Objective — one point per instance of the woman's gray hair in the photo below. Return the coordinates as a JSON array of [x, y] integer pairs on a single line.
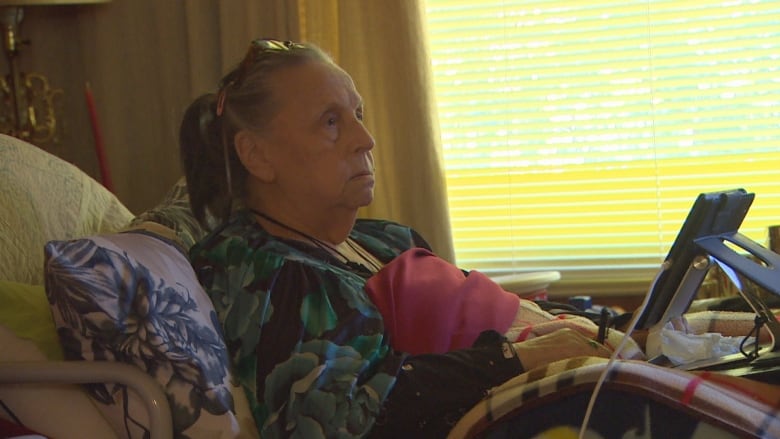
[[215, 176]]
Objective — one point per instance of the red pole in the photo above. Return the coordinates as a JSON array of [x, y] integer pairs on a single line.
[[105, 173]]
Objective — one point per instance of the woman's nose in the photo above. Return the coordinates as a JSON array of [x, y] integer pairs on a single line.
[[362, 140]]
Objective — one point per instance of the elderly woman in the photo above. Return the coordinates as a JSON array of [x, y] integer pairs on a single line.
[[280, 157]]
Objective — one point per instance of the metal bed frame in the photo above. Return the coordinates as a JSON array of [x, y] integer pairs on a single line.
[[83, 372]]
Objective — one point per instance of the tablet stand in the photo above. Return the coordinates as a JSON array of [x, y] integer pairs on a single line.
[[764, 273]]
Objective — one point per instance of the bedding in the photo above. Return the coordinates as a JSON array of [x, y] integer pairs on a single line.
[[70, 413], [25, 312], [638, 400], [133, 297], [174, 213], [47, 200], [43, 197]]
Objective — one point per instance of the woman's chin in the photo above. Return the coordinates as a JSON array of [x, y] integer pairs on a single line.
[[365, 198], [359, 196]]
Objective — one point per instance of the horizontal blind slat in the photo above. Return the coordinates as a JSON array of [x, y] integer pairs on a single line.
[[576, 135]]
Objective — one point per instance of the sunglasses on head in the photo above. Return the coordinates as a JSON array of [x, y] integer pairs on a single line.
[[256, 49], [265, 44]]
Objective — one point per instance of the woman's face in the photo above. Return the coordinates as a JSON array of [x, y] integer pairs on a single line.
[[319, 148]]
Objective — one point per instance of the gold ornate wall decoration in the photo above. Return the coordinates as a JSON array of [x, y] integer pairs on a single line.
[[31, 111], [29, 106]]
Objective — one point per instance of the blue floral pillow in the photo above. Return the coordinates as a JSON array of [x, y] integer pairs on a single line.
[[133, 297]]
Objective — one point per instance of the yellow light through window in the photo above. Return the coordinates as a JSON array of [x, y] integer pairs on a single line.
[[577, 134]]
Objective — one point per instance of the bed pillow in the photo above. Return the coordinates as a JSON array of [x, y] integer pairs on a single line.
[[25, 311], [133, 297], [42, 198]]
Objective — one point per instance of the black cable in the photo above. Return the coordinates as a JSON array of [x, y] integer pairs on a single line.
[[604, 325], [10, 413], [758, 323], [322, 244]]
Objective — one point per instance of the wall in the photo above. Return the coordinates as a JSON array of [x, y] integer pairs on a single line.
[[147, 60], [51, 52], [136, 55]]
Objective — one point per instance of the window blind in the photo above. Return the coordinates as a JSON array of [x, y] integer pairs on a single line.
[[576, 135]]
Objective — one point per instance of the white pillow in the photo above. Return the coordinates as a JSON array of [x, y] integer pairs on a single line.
[[134, 297], [42, 198]]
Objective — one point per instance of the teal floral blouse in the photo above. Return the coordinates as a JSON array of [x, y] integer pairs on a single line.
[[307, 344]]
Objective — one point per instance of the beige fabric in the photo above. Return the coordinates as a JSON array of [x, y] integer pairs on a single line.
[[382, 45], [727, 323], [532, 321], [43, 198], [173, 215]]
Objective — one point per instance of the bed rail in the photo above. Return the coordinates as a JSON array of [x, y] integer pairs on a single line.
[[83, 372]]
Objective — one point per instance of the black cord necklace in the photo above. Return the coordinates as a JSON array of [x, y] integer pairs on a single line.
[[365, 255], [322, 244]]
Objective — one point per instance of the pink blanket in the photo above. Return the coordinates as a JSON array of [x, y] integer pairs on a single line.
[[431, 306]]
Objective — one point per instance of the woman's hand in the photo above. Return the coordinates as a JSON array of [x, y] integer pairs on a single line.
[[558, 345]]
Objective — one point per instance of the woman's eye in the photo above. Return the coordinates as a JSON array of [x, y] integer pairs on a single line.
[[359, 114], [331, 121]]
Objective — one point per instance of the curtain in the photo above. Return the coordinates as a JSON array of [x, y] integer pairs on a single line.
[[382, 46], [146, 60]]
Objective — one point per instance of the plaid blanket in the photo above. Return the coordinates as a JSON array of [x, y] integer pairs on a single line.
[[638, 399], [532, 321]]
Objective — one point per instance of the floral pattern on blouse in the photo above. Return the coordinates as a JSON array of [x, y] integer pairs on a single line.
[[308, 345]]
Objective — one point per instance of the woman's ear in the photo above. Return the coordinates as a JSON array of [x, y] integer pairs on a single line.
[[251, 150]]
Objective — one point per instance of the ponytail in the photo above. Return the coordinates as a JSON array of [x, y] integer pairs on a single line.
[[203, 157]]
